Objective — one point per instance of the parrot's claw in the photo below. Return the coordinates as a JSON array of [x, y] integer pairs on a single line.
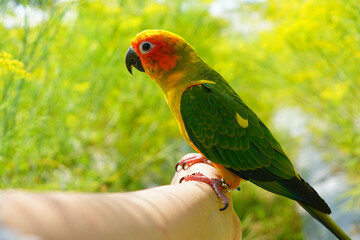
[[190, 159], [216, 184]]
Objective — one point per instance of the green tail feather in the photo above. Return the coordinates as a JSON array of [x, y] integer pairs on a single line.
[[300, 191], [325, 220]]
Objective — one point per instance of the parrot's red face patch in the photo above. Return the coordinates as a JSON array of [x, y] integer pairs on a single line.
[[157, 51]]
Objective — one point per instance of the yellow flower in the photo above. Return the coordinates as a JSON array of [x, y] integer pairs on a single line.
[[155, 9], [11, 68], [335, 92], [81, 87]]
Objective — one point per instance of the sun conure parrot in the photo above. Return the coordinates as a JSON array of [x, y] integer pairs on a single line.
[[216, 122]]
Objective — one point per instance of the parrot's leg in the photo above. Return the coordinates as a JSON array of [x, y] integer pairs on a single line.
[[216, 184], [190, 159]]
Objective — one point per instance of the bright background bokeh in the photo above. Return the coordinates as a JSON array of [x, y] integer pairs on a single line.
[[72, 118]]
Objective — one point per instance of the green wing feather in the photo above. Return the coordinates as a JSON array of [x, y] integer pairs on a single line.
[[209, 115]]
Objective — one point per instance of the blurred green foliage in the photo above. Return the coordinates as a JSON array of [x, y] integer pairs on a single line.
[[72, 118]]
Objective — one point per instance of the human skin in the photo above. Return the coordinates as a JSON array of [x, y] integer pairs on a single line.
[[189, 210]]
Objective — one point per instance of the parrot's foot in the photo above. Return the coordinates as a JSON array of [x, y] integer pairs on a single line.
[[216, 184], [190, 159]]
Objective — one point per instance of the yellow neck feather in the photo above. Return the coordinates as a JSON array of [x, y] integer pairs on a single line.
[[173, 96]]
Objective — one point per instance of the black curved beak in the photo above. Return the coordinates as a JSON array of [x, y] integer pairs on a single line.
[[132, 59]]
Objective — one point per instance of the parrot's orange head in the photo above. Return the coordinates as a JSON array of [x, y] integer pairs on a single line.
[[158, 53]]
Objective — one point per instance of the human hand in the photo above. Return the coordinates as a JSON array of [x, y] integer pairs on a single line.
[[223, 224], [189, 210]]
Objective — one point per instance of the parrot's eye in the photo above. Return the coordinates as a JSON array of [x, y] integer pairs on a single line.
[[146, 47]]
